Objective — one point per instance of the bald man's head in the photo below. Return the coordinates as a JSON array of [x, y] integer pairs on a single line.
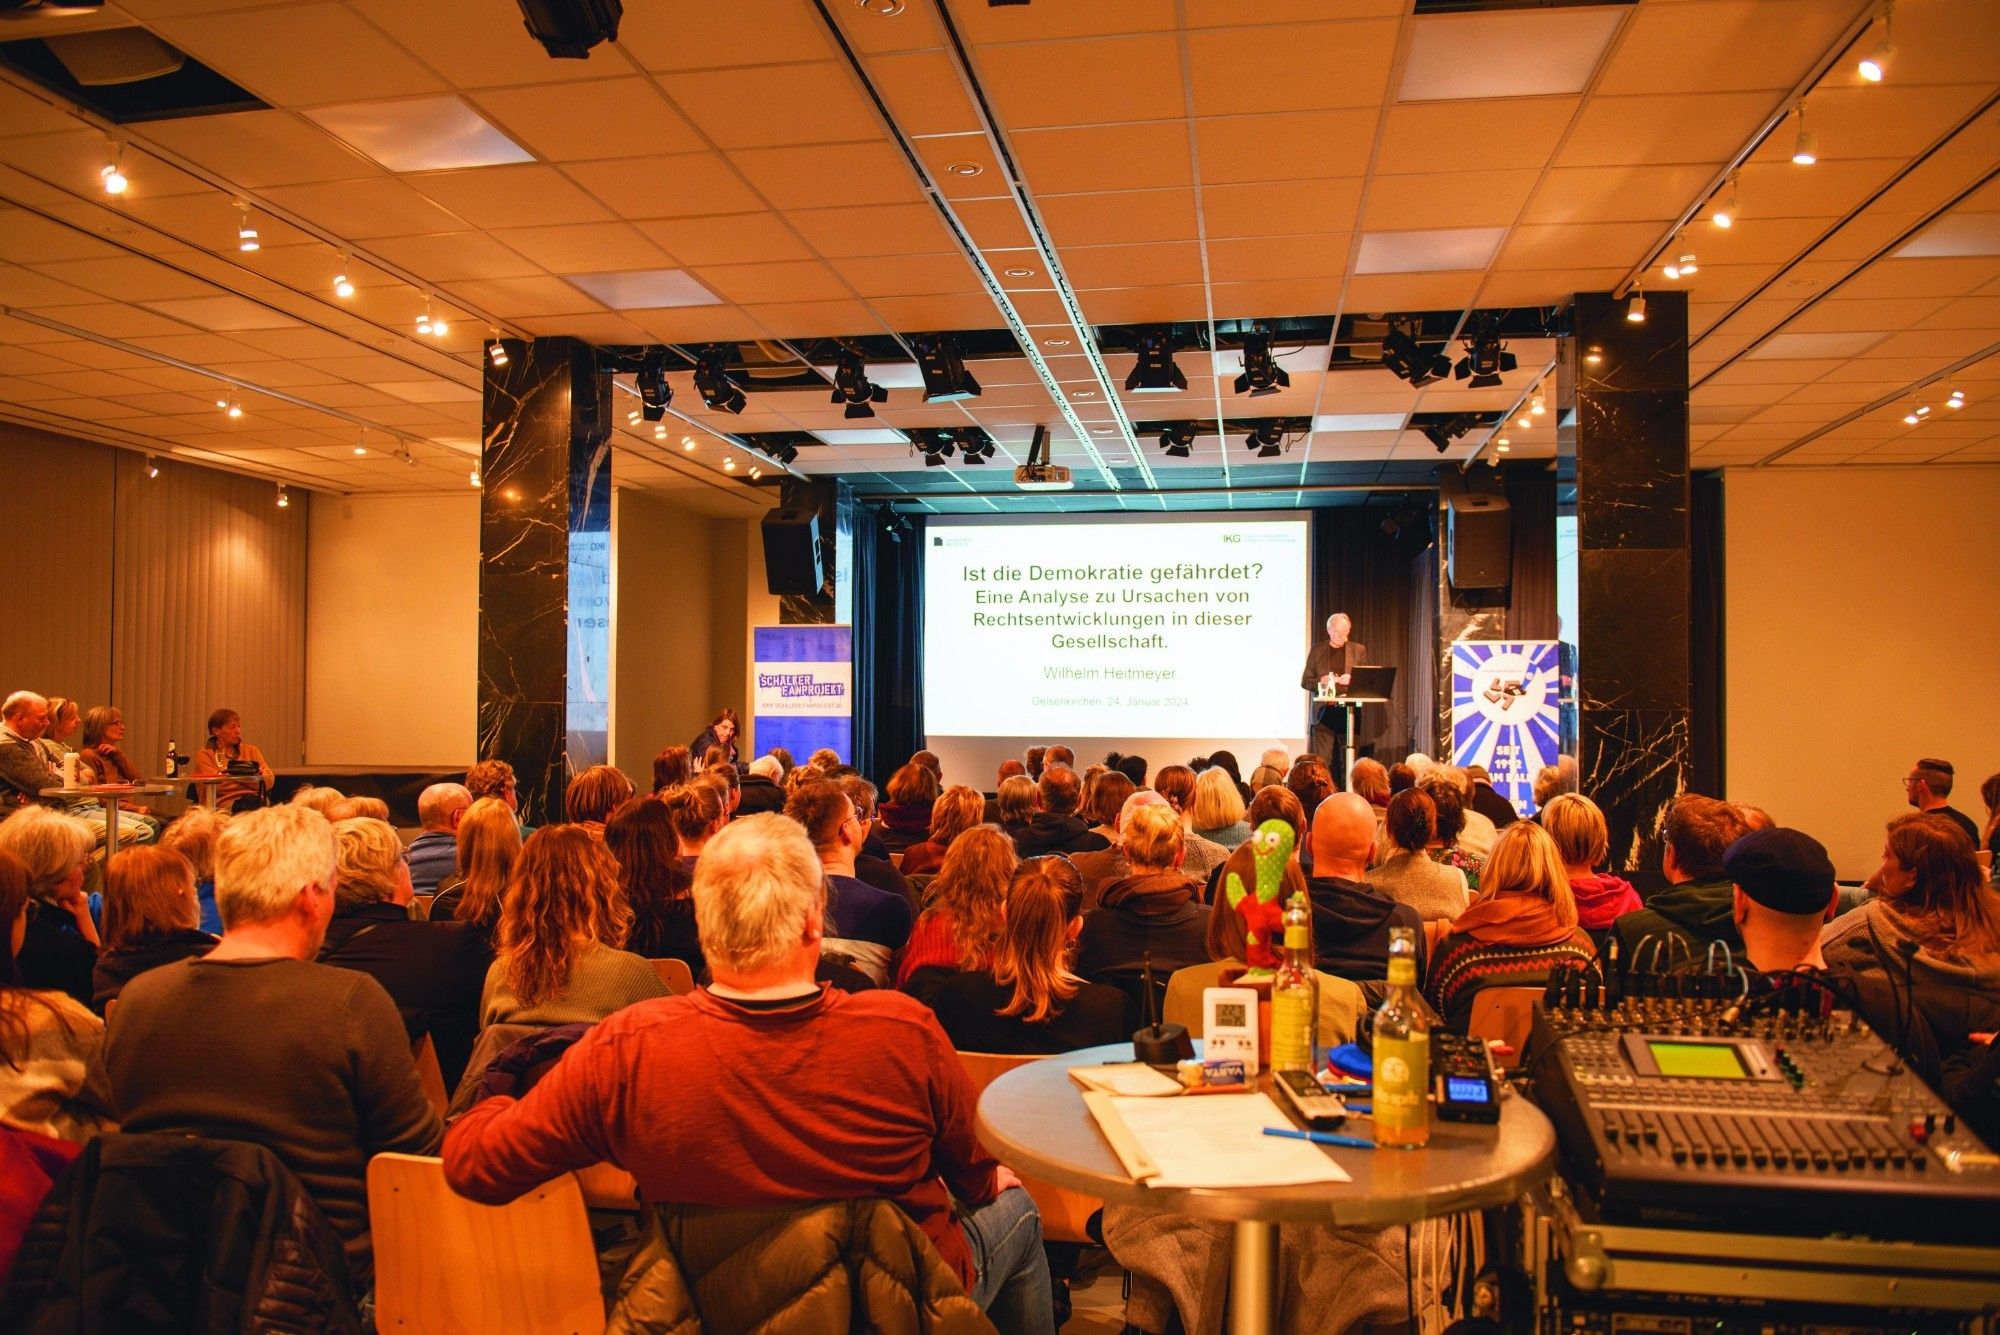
[[1343, 837]]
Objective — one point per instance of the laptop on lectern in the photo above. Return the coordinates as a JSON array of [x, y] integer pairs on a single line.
[[1370, 681]]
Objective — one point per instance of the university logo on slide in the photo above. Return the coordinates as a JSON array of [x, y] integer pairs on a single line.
[[1506, 711]]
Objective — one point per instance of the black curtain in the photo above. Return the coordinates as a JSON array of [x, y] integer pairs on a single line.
[[1706, 772], [888, 643], [1531, 596], [1370, 574]]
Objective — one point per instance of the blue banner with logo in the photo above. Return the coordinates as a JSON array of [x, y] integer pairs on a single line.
[[802, 689], [1506, 711]]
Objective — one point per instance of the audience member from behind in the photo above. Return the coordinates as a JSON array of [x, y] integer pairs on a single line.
[[961, 916], [761, 793], [891, 1111], [561, 956], [358, 808], [48, 1040], [60, 948], [1699, 904], [1444, 847], [1932, 929], [193, 835], [1522, 926], [1033, 760], [255, 1042], [1179, 785], [1149, 911], [728, 786], [314, 797], [1488, 801], [1402, 778], [1583, 841], [1310, 782], [489, 840], [1928, 787], [1218, 809], [495, 779], [434, 853], [721, 731], [1785, 893], [1016, 803], [864, 926], [250, 775], [1055, 827], [151, 917], [1131, 766], [694, 811], [672, 767], [593, 795], [1027, 1000], [641, 836], [872, 863], [1351, 921], [1408, 875], [1106, 801], [1370, 782], [905, 819], [1989, 793], [957, 810]]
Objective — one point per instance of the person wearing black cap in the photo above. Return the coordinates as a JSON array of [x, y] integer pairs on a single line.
[[1928, 785], [1785, 893]]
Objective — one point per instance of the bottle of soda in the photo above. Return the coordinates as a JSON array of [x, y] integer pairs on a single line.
[[1295, 996], [1402, 1052]]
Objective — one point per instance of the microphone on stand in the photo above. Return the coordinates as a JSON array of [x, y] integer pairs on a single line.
[[1159, 1044]]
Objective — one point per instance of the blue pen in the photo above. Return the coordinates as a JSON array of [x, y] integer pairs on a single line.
[[1320, 1137]]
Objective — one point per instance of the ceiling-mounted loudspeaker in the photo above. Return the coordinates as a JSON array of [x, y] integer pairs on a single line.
[[792, 553], [567, 29]]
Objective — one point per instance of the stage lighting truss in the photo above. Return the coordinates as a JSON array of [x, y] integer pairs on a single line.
[[1486, 359], [1418, 363], [1261, 373], [654, 391], [945, 378], [1177, 441], [937, 444], [1155, 372], [936, 447], [1267, 439], [718, 389], [851, 385], [1442, 434]]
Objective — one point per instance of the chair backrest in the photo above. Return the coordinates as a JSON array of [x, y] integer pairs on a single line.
[[443, 1262], [1504, 1013], [420, 907], [429, 1074], [1064, 1212], [674, 975]]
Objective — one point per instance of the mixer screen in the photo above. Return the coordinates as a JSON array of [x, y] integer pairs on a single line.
[[1700, 1061]]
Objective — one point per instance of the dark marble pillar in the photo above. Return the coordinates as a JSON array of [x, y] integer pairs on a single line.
[[545, 568], [1623, 441]]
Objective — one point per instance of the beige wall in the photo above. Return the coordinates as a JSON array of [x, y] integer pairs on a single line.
[[1860, 635], [664, 604], [392, 631]]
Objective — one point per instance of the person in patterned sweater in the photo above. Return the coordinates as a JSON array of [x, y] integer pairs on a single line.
[[1522, 925]]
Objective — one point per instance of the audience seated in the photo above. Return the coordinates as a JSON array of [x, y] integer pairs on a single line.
[[1106, 800], [957, 810], [785, 762], [1310, 782], [1106, 865], [60, 949], [1351, 921], [433, 971], [1522, 925], [135, 825], [1989, 839], [24, 766], [866, 926], [1032, 761], [1131, 766], [1448, 824], [905, 819], [872, 864], [714, 1134], [151, 917], [1785, 894], [641, 835], [1265, 776], [250, 775], [316, 798], [255, 1042], [721, 731], [1178, 783], [1009, 769], [929, 760], [1487, 801], [962, 908], [1148, 913], [1583, 840], [1025, 999], [1218, 810], [489, 840], [1402, 778], [48, 1039], [434, 853], [759, 791], [358, 808], [728, 786], [1016, 803], [495, 779], [1928, 788], [563, 920], [193, 835], [1058, 757], [1408, 875], [672, 767], [1055, 826], [1369, 780], [1698, 906], [1476, 833], [101, 759], [593, 795], [824, 759]]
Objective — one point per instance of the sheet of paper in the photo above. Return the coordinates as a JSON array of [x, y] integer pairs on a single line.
[[1135, 1079], [1220, 1142]]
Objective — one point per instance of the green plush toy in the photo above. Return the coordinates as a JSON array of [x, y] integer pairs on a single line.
[[1262, 913]]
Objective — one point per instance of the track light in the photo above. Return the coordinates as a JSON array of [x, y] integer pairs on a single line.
[[1876, 63], [713, 381], [1537, 405], [655, 394], [1177, 441], [496, 351], [729, 465], [1635, 306], [1957, 399], [1724, 213], [152, 466], [945, 377], [230, 408], [755, 472], [1262, 375], [1593, 355], [1155, 372], [1486, 360], [1267, 439], [284, 497], [246, 234], [424, 325], [1524, 421], [851, 385], [1805, 148], [113, 172], [1442, 433], [1418, 363], [361, 443], [343, 286], [1684, 267], [473, 477]]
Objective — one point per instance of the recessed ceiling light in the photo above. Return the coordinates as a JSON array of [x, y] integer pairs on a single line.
[[1434, 251], [964, 168], [1102, 430], [1018, 272], [645, 289], [420, 134], [1083, 393], [1055, 342], [879, 435], [887, 9], [1358, 422]]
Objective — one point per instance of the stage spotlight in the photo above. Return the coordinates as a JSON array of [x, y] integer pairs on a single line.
[[1266, 438], [1420, 364], [974, 446], [713, 382], [783, 451], [567, 29], [936, 447], [1724, 213], [945, 376], [1261, 373], [284, 497], [1442, 434], [1178, 440], [851, 385], [1156, 372], [654, 391], [152, 466], [1486, 359], [1635, 309], [1876, 63]]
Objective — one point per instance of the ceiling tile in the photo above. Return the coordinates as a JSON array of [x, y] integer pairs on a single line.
[[1285, 146], [1446, 199], [565, 122], [285, 54], [816, 319], [420, 134], [453, 256], [685, 37], [909, 275], [646, 289], [1266, 259], [1127, 217], [1160, 263], [681, 186], [892, 229], [1280, 208], [1293, 67], [479, 43], [736, 238], [791, 280], [262, 148], [924, 92], [1092, 81], [529, 196], [1412, 291], [1725, 46], [1151, 155], [922, 314], [1620, 244], [1526, 53], [1292, 296], [1423, 251], [1617, 194], [773, 105], [1683, 127], [1468, 136], [1956, 234], [365, 209], [580, 248], [828, 175]]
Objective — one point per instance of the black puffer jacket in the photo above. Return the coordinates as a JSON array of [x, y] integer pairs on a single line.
[[166, 1233]]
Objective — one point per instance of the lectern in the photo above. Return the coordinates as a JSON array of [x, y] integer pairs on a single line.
[[1326, 698]]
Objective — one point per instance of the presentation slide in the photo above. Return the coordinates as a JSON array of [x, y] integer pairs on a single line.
[[1116, 627]]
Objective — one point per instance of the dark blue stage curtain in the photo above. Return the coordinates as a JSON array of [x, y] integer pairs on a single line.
[[1374, 578], [888, 646], [1706, 771]]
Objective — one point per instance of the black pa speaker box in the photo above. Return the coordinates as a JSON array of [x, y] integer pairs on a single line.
[[1480, 540], [792, 552]]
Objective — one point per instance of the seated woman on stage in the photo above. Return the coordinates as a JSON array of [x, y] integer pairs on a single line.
[[1521, 926], [962, 909], [721, 732], [227, 753], [1027, 1000], [489, 843], [905, 819], [958, 810]]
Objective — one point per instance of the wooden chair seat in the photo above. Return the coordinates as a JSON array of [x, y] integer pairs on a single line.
[[1504, 1013], [1064, 1212], [675, 975]]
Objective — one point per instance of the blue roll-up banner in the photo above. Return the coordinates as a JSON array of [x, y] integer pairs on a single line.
[[1506, 711], [803, 697]]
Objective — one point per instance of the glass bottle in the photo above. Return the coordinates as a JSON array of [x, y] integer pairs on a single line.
[[1402, 1109], [1295, 996]]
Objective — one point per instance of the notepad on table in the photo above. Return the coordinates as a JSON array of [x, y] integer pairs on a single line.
[[1131, 1079], [1209, 1142]]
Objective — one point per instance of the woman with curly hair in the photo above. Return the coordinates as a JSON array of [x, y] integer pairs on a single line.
[[958, 810], [962, 917], [563, 924]]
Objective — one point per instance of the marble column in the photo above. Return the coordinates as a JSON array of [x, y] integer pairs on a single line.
[[545, 568], [1623, 441]]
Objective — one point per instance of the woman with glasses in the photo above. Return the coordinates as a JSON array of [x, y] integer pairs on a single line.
[[227, 753]]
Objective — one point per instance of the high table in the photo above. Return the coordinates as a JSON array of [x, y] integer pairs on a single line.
[[207, 783], [1034, 1120], [109, 794], [1349, 704]]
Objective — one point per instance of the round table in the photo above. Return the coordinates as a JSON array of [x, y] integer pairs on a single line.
[[109, 795], [1034, 1119]]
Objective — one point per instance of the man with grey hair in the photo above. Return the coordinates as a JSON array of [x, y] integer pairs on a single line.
[[255, 1042], [1331, 664], [434, 853], [758, 790], [821, 1095], [24, 769]]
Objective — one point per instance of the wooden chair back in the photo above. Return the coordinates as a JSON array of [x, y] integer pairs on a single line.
[[675, 975], [1504, 1013], [443, 1262], [420, 907], [1064, 1212], [430, 1075]]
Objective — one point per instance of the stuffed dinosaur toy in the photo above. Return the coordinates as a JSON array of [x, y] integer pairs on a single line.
[[1262, 912]]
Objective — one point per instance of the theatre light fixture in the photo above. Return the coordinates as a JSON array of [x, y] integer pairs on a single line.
[[246, 233], [1957, 399], [230, 408], [1262, 375], [1418, 363], [496, 351], [1267, 439], [718, 389], [284, 496], [152, 466], [935, 446], [1486, 359], [113, 172], [343, 286], [852, 386], [1635, 306], [1177, 441], [1593, 355], [1876, 63], [945, 378], [1538, 405], [1724, 213], [1155, 372], [974, 445], [654, 391], [1805, 148], [473, 477], [1685, 266], [1442, 434], [1918, 412]]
